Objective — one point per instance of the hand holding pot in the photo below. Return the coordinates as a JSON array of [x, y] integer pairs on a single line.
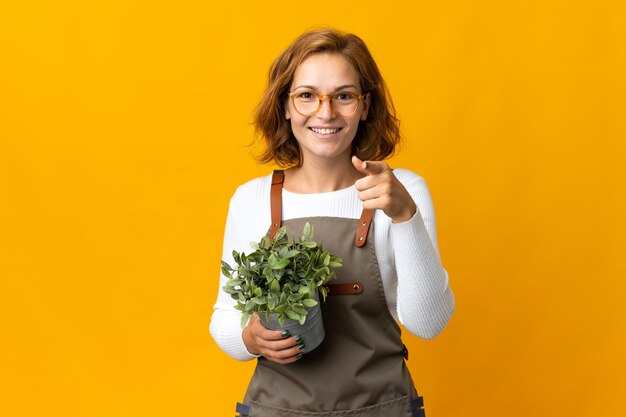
[[271, 343]]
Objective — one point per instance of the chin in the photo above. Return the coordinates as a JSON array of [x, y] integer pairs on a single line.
[[330, 154]]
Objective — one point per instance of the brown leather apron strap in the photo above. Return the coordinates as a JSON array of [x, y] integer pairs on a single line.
[[345, 288], [364, 226], [276, 201]]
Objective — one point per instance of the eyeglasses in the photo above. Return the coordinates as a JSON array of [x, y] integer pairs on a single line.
[[308, 103]]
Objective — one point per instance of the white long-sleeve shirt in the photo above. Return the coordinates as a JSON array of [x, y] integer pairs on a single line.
[[415, 282]]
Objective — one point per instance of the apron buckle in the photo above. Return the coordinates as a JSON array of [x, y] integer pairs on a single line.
[[417, 407], [243, 410]]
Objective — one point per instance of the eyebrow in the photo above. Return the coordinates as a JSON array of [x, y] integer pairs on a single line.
[[341, 87]]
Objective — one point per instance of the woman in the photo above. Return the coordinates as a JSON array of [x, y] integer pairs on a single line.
[[328, 118]]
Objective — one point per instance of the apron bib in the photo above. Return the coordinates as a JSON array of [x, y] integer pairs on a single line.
[[359, 368]]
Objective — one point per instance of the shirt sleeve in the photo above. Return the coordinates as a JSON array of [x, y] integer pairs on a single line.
[[225, 324], [425, 301]]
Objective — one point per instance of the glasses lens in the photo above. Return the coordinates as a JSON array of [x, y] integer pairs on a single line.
[[345, 104], [306, 102]]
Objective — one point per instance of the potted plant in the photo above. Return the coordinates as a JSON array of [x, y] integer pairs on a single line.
[[281, 281]]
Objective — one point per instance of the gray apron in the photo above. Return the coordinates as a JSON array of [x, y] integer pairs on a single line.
[[359, 368]]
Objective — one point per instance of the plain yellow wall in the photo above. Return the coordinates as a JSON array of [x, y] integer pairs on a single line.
[[123, 132]]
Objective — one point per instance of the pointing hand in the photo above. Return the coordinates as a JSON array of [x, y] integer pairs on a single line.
[[382, 190]]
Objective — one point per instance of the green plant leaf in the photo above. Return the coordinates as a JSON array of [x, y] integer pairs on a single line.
[[229, 290], [295, 297], [320, 272], [281, 232], [244, 319], [299, 310], [309, 302], [281, 264], [272, 260], [292, 314], [260, 300], [308, 268], [323, 291], [306, 233], [291, 253], [275, 286], [234, 282]]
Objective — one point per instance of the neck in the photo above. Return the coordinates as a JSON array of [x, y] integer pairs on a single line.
[[321, 176]]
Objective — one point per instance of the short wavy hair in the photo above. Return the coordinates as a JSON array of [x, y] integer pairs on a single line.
[[376, 137]]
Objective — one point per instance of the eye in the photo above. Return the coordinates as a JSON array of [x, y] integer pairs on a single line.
[[307, 95], [345, 96]]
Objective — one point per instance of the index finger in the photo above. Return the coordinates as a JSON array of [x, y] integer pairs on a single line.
[[375, 167]]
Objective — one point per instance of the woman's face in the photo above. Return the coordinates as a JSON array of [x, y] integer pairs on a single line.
[[326, 73]]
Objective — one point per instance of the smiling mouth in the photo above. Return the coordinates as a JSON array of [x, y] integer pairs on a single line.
[[325, 131]]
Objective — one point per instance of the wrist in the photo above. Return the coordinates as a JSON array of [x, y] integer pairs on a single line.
[[247, 340], [407, 214]]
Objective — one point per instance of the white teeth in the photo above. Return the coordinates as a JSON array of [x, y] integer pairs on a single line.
[[325, 131]]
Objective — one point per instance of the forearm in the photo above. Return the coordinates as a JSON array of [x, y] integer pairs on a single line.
[[425, 301], [226, 331], [225, 325]]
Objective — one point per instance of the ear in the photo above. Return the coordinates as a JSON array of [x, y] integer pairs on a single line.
[[287, 113], [366, 106]]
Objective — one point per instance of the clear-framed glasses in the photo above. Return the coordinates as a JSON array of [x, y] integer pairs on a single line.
[[308, 103]]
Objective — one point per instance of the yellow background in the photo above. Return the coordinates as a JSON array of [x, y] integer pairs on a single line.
[[123, 132]]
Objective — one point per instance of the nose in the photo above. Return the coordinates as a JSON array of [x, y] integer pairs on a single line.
[[326, 111]]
